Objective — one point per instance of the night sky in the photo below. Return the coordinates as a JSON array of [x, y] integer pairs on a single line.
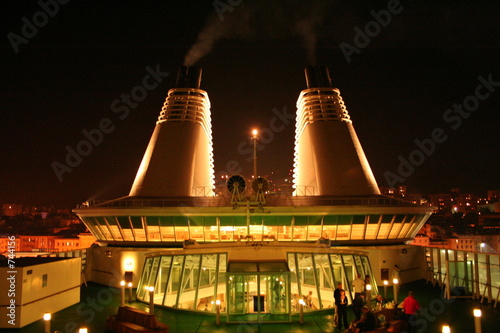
[[397, 83]]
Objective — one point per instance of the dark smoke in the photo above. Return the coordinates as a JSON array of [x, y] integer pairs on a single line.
[[307, 29], [260, 19]]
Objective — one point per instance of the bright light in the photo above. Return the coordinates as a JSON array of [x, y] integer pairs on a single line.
[[255, 132], [217, 302], [47, 316], [122, 283], [477, 313], [386, 282], [395, 281], [301, 302], [128, 263], [83, 330], [130, 284], [483, 244], [368, 287], [151, 289], [446, 329]]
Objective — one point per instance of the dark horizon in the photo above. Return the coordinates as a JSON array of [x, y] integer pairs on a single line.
[[398, 86]]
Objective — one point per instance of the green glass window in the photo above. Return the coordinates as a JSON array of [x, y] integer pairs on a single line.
[[344, 219], [136, 222], [387, 218], [330, 220], [233, 221], [358, 219], [256, 220], [180, 221], [124, 222], [315, 220], [152, 220], [301, 220]]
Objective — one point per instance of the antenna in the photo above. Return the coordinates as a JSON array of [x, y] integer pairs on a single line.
[[260, 186], [236, 185]]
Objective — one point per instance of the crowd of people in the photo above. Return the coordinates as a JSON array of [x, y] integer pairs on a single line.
[[365, 320]]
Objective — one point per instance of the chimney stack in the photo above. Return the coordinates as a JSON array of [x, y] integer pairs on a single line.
[[178, 161], [188, 77], [329, 159]]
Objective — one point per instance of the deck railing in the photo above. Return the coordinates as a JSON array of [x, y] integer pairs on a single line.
[[465, 273]]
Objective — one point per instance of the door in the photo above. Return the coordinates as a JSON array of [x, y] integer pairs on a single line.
[[258, 298]]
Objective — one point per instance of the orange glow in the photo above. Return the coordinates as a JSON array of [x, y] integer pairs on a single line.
[[255, 132]]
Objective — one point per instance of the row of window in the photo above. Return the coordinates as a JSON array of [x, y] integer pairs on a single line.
[[194, 282], [281, 228]]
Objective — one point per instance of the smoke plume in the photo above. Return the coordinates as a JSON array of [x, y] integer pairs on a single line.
[[263, 19]]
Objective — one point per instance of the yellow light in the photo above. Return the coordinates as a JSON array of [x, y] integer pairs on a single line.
[[151, 289], [130, 284], [83, 330], [395, 281], [122, 283], [368, 287], [301, 302], [477, 313], [255, 132], [386, 282], [217, 302], [446, 329], [47, 316]]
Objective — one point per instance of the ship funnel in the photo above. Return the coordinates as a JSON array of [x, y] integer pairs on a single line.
[[318, 76], [329, 159], [188, 77], [178, 161]]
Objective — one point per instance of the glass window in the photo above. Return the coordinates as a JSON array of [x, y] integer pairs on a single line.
[[255, 220], [368, 271], [113, 227], [357, 231], [300, 220], [313, 232], [220, 287], [163, 278], [256, 232], [141, 288], [124, 223], [385, 227], [406, 226], [284, 232], [189, 282], [315, 220], [299, 232], [233, 220], [153, 227], [211, 233], [196, 233], [227, 233], [104, 227], [206, 285], [349, 274], [89, 222], [325, 280], [241, 233], [329, 231], [174, 281], [358, 219]]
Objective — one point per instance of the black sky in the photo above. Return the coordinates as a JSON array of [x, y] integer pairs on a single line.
[[397, 89]]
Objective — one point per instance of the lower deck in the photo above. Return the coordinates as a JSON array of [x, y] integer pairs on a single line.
[[95, 306]]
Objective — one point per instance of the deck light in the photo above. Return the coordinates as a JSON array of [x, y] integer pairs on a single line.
[[46, 317]]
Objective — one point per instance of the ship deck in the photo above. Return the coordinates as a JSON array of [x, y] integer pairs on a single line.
[[95, 307]]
